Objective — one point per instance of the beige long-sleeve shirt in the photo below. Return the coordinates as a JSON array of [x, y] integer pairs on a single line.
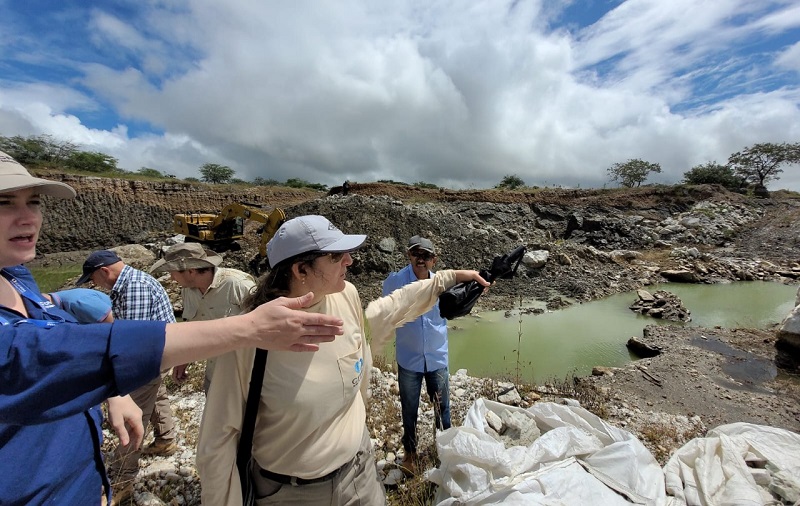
[[311, 415], [224, 298]]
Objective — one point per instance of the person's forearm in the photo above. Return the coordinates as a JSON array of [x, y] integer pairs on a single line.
[[276, 325], [191, 341], [409, 302]]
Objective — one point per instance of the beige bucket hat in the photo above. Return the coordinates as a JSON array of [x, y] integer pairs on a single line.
[[13, 176], [184, 256]]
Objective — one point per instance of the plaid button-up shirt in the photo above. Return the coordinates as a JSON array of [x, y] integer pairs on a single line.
[[139, 296]]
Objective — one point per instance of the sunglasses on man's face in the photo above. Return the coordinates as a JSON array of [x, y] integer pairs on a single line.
[[422, 255]]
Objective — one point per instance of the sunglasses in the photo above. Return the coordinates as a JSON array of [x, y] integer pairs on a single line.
[[337, 257], [423, 255]]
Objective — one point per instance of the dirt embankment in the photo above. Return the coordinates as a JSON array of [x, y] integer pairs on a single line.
[[596, 242]]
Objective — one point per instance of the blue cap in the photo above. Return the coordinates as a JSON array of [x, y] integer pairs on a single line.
[[96, 260], [87, 306]]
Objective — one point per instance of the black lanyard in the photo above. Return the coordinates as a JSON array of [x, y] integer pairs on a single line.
[[36, 298]]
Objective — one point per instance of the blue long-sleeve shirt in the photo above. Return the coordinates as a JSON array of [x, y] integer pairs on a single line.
[[52, 380], [421, 343]]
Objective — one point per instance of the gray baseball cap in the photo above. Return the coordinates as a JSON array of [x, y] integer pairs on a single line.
[[309, 233], [421, 243]]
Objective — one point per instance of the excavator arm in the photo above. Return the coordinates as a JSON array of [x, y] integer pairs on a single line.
[[227, 224]]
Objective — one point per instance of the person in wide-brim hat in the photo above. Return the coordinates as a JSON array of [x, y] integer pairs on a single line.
[[185, 256]]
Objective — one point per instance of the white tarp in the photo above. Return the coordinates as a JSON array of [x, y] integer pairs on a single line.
[[739, 463], [579, 459]]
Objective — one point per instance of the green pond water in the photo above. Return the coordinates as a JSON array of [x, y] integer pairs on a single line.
[[573, 340]]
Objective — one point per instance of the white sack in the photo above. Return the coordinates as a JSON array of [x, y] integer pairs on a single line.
[[713, 470], [579, 459]]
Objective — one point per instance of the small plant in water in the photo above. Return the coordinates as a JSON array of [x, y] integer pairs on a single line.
[[519, 340]]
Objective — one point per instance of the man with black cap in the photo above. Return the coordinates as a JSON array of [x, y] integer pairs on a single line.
[[208, 290], [421, 351], [135, 295]]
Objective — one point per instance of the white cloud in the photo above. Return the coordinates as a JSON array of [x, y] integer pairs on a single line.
[[790, 58], [455, 93]]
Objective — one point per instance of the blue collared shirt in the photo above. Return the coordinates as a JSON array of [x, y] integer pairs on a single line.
[[52, 380], [422, 343]]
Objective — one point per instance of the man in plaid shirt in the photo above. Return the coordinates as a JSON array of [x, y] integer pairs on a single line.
[[135, 295]]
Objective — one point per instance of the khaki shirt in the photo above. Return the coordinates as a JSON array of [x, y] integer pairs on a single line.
[[312, 412], [223, 298]]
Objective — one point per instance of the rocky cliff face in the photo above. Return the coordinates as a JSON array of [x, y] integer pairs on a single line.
[[109, 212], [597, 242]]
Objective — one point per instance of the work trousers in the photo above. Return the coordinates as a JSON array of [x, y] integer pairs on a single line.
[[152, 399], [356, 484]]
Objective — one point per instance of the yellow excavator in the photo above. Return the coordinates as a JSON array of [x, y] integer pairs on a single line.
[[227, 226]]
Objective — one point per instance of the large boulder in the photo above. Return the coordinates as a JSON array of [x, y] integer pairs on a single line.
[[789, 336]]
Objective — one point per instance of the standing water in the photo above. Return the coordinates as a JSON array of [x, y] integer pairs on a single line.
[[573, 340]]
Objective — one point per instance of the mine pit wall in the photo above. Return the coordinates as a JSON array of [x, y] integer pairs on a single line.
[[108, 212]]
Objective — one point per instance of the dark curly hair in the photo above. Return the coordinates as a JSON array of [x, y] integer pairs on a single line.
[[275, 283]]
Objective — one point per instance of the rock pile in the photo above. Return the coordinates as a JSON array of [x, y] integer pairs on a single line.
[[661, 304], [512, 428]]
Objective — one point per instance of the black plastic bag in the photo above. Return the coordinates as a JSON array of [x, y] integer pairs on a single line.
[[459, 299]]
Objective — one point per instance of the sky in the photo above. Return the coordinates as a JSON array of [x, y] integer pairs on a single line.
[[456, 93]]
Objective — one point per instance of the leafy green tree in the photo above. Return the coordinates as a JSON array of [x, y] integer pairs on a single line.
[[93, 161], [216, 173], [510, 182], [191, 179], [761, 163], [713, 173], [423, 184], [302, 183], [260, 181], [147, 171], [37, 149], [632, 173]]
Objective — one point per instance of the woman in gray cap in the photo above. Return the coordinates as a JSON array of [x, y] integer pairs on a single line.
[[56, 372], [310, 443]]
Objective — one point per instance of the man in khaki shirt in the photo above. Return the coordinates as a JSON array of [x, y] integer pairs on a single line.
[[209, 291]]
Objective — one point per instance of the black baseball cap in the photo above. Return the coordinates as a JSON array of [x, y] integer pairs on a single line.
[[95, 261]]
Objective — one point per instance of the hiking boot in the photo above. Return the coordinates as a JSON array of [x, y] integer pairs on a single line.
[[161, 447], [121, 495], [409, 464]]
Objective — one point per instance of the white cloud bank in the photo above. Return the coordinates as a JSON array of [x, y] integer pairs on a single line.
[[457, 93]]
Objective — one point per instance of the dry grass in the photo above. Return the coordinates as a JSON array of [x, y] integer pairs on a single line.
[[196, 372], [574, 387], [661, 438]]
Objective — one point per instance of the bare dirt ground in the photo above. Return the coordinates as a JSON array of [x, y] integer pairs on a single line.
[[719, 375]]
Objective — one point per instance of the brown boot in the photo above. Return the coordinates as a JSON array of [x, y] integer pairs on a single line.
[[119, 495], [161, 447], [409, 464]]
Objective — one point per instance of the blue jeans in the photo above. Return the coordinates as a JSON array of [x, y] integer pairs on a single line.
[[437, 383]]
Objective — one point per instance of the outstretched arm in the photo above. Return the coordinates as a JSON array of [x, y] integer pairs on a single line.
[[276, 325], [409, 302]]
